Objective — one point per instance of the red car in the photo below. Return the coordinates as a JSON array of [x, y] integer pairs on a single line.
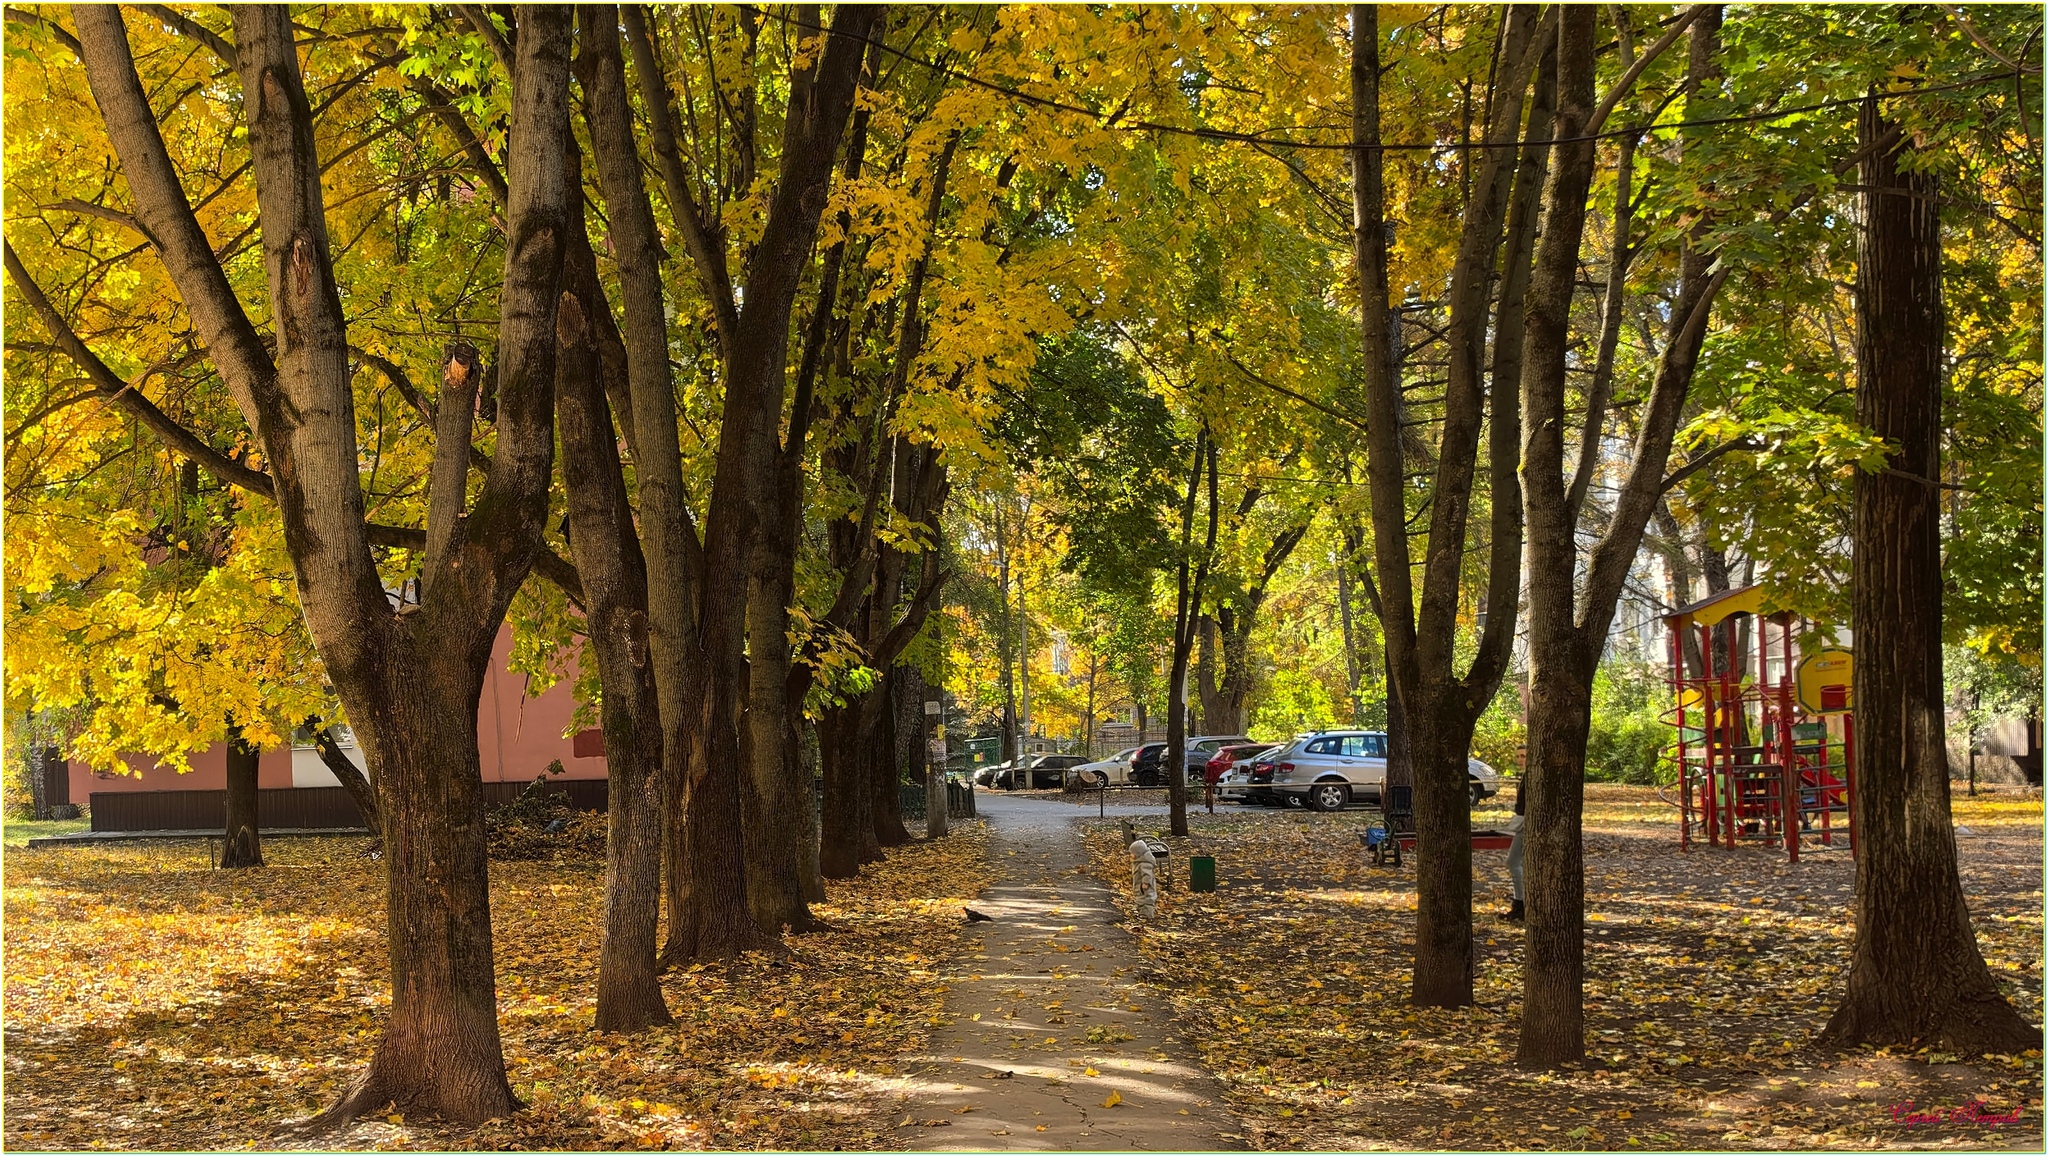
[[1221, 761]]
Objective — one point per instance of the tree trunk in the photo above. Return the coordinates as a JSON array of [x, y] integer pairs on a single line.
[[1208, 687], [885, 772], [1439, 732], [847, 838], [440, 1053], [1437, 708], [1005, 651], [606, 550], [410, 684], [242, 847], [1915, 973], [742, 483], [777, 798], [1173, 761], [50, 782], [1553, 978], [1554, 974]]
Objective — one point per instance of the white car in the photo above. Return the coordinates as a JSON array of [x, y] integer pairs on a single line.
[[1114, 769], [1332, 770]]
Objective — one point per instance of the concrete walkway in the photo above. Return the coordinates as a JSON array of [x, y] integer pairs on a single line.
[[1054, 1045]]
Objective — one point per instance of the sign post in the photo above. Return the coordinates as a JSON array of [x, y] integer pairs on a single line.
[[934, 773]]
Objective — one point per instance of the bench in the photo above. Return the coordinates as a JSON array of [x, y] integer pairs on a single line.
[[1394, 831]]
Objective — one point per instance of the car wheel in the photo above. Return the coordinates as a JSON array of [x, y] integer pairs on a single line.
[[1478, 793], [1329, 796], [1098, 779], [1148, 778]]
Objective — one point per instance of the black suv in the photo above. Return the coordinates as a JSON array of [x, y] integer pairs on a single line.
[[1045, 771]]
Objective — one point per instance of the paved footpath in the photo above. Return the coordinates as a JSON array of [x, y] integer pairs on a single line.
[[1054, 1045]]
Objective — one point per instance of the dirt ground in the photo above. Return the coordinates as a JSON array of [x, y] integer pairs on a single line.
[[1710, 973]]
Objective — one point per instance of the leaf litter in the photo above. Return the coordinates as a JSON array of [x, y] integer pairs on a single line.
[[154, 1003], [1709, 975]]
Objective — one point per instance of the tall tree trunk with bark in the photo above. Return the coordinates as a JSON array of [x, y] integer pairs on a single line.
[[242, 846], [1572, 605], [606, 550], [1193, 574], [670, 548], [848, 837], [1915, 973], [1560, 701], [754, 339]]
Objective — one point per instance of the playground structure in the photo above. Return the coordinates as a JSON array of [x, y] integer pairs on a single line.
[[1766, 736]]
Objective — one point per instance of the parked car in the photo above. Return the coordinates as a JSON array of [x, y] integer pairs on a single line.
[[1036, 771], [1233, 779], [1145, 769], [986, 776], [1102, 772], [1332, 770], [1228, 757], [1251, 782]]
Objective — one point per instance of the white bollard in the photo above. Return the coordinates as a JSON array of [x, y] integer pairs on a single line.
[[1145, 877]]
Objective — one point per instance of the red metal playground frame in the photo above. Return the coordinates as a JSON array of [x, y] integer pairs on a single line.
[[1754, 766]]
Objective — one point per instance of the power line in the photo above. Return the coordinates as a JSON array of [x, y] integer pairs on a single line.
[[1266, 137]]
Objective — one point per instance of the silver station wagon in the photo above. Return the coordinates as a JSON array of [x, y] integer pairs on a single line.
[[1335, 769]]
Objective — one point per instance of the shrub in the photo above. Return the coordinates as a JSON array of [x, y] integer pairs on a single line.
[[1629, 735]]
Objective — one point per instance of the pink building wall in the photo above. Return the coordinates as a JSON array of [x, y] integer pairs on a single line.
[[517, 736]]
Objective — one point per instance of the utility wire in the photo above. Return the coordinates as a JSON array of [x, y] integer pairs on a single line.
[[1267, 137]]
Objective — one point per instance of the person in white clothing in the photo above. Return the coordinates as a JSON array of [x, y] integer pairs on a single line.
[[1514, 914]]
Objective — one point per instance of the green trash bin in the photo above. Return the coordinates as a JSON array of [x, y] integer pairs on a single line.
[[1202, 873]]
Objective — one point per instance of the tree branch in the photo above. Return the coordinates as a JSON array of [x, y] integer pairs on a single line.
[[192, 29], [32, 20], [1739, 445], [1635, 70], [702, 234], [109, 386], [479, 20], [160, 205]]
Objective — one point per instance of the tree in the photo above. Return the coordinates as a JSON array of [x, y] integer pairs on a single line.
[[1915, 973], [410, 682], [1435, 707], [242, 846], [1186, 618]]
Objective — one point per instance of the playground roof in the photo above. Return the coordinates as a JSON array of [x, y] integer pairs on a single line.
[[1715, 607]]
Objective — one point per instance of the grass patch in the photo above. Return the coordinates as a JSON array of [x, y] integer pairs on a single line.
[[17, 832]]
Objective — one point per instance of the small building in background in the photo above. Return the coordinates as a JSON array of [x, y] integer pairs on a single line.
[[518, 738]]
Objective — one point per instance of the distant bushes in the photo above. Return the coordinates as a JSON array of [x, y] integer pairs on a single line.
[[1628, 736]]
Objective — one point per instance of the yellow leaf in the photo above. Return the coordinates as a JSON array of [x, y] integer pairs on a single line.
[[1115, 1098], [1091, 1072], [396, 1118]]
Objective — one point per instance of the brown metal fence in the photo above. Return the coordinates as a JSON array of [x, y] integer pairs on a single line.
[[286, 807]]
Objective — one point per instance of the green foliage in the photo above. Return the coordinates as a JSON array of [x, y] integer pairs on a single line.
[[1983, 688], [1498, 737], [1089, 425], [1295, 700], [1629, 734]]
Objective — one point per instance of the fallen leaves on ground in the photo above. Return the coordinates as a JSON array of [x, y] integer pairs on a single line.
[[153, 1003], [1709, 974]]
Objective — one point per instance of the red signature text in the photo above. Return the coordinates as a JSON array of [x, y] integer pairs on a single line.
[[1973, 1112]]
